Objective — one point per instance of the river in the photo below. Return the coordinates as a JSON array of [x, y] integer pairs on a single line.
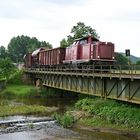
[[49, 130]]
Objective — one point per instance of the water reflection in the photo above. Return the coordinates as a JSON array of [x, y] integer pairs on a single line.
[[63, 104], [90, 135]]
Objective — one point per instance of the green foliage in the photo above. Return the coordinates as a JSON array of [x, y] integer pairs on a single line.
[[81, 30], [65, 120], [111, 111], [16, 78], [3, 52], [138, 62], [12, 91], [21, 110], [78, 31], [25, 91], [7, 68], [20, 45], [63, 43], [57, 117], [121, 60]]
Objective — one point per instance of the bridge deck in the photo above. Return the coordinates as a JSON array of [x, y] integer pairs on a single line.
[[116, 84]]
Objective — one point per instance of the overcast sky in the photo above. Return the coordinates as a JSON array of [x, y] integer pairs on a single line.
[[117, 21]]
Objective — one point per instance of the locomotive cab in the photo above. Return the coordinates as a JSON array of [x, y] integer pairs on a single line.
[[90, 50]]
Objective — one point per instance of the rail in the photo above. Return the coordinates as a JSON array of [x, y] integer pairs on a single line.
[[121, 70]]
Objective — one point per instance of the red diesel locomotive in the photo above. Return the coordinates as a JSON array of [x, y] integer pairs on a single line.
[[86, 50]]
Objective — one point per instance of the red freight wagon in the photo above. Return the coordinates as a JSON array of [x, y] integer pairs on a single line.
[[35, 57], [28, 60], [44, 57], [52, 57], [89, 49]]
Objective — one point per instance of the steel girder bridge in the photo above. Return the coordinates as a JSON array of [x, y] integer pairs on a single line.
[[119, 82]]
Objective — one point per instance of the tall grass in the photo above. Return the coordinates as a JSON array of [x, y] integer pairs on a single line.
[[13, 91], [111, 111], [65, 120], [22, 110], [16, 78]]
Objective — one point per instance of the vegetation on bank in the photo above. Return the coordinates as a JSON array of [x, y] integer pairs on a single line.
[[65, 120], [12, 91], [109, 113], [16, 78], [22, 110], [17, 88], [102, 113], [25, 91], [7, 68]]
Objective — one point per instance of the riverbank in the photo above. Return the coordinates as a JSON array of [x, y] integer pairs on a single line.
[[22, 90], [87, 114], [104, 116], [9, 105], [109, 116]]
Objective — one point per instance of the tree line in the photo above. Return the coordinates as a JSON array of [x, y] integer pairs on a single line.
[[20, 45]]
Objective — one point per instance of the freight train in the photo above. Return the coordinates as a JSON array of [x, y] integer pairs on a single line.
[[88, 50]]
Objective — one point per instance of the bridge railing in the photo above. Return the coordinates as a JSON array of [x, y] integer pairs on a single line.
[[102, 69]]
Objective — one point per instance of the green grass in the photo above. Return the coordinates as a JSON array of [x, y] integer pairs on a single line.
[[109, 113], [18, 91], [22, 90], [2, 79], [16, 78], [65, 120], [22, 110]]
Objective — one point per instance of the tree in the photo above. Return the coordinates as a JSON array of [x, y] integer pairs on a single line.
[[138, 62], [81, 30], [3, 52], [121, 60], [21, 45], [78, 31], [63, 43], [7, 68]]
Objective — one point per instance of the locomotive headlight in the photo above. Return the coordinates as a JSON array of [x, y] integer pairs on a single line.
[[98, 56], [113, 57]]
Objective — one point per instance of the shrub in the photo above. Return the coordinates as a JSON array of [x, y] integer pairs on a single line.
[[111, 111], [65, 120], [16, 78]]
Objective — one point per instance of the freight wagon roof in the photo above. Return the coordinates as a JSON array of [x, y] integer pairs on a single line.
[[58, 48], [37, 51], [26, 55]]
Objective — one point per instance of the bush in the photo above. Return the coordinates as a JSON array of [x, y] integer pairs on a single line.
[[18, 91], [16, 78], [65, 120], [111, 111]]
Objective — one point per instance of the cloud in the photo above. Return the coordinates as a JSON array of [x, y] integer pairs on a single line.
[[66, 2], [51, 20]]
